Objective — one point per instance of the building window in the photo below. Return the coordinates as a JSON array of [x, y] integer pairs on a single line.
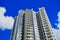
[[49, 36], [48, 33], [47, 30], [51, 39]]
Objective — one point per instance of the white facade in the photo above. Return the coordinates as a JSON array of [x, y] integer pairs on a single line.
[[31, 25], [36, 31], [46, 25], [28, 26]]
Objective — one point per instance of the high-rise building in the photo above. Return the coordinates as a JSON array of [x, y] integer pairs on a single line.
[[31, 25]]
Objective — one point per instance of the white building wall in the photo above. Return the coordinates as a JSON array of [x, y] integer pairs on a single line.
[[19, 25], [35, 26], [46, 25]]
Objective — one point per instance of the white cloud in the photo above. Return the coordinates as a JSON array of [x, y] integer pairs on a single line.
[[58, 25], [57, 32], [6, 22]]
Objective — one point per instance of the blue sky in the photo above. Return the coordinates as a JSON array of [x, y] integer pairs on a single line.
[[12, 6]]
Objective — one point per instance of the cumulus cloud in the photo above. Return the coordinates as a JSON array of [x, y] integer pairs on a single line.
[[6, 22], [57, 32], [58, 25]]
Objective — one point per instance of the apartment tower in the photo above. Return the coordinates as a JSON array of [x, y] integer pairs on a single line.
[[31, 25]]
